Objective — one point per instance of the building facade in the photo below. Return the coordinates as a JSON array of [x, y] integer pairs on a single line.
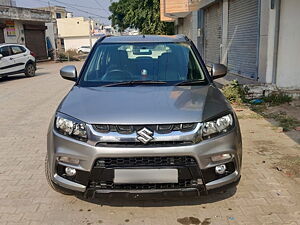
[[8, 3], [75, 31], [24, 26], [256, 39], [56, 43]]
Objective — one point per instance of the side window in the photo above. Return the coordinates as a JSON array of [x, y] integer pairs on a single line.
[[16, 50], [23, 49], [5, 51]]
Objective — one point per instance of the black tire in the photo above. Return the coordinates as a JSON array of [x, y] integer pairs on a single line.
[[54, 186], [30, 70]]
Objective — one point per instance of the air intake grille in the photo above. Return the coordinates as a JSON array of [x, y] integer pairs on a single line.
[[130, 129], [112, 186], [145, 162]]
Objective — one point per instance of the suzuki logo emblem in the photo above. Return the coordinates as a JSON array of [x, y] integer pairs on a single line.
[[144, 135]]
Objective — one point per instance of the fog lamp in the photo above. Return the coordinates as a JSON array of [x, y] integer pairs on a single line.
[[221, 169], [70, 171], [69, 160], [220, 157], [199, 181]]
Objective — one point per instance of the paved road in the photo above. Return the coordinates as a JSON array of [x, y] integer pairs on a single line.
[[264, 196]]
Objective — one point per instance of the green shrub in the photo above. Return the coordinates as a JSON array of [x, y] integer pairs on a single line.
[[235, 92], [277, 98]]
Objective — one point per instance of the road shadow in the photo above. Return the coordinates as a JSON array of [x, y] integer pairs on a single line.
[[159, 200], [19, 77]]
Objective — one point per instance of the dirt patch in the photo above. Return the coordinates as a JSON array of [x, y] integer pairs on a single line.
[[206, 221], [291, 109], [193, 220], [285, 118], [266, 147], [290, 165], [285, 115]]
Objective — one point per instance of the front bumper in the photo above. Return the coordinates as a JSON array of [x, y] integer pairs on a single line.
[[59, 145]]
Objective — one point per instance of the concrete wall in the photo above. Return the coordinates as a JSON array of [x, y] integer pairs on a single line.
[[189, 27], [54, 10], [288, 72], [263, 40], [73, 27], [25, 14], [77, 42], [51, 33], [225, 43], [272, 45], [8, 2], [18, 38]]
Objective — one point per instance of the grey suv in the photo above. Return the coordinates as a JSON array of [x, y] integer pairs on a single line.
[[144, 115]]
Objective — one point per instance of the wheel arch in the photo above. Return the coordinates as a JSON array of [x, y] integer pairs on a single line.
[[30, 61]]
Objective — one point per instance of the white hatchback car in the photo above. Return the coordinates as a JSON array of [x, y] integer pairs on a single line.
[[16, 59]]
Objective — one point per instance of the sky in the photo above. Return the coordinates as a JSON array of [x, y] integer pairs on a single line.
[[97, 9]]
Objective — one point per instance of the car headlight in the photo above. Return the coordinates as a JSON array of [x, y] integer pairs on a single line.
[[217, 126], [71, 127]]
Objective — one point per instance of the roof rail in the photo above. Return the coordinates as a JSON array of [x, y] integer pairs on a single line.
[[183, 36], [103, 37]]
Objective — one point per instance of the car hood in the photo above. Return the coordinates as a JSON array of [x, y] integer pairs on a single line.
[[144, 104]]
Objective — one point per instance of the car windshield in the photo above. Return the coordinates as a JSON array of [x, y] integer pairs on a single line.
[[139, 63]]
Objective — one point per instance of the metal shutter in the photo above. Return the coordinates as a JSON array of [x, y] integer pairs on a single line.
[[243, 37], [35, 40], [2, 40], [213, 33]]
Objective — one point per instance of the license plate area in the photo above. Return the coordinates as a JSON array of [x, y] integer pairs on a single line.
[[145, 176]]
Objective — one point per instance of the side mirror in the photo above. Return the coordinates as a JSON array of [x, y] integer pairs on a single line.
[[1, 56], [69, 73], [218, 71]]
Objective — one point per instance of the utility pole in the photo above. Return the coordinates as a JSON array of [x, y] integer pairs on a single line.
[[90, 33]]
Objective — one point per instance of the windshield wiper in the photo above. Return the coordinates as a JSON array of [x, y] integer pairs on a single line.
[[190, 82], [133, 82]]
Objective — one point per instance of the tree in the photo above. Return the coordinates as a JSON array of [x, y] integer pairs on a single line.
[[141, 14]]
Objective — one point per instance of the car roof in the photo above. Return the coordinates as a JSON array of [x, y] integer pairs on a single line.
[[144, 38], [10, 44]]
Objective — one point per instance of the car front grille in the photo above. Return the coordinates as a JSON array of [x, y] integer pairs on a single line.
[[112, 186], [145, 162], [142, 145], [158, 128]]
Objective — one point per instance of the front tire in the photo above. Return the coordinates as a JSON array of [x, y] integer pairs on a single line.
[[30, 70], [53, 185]]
